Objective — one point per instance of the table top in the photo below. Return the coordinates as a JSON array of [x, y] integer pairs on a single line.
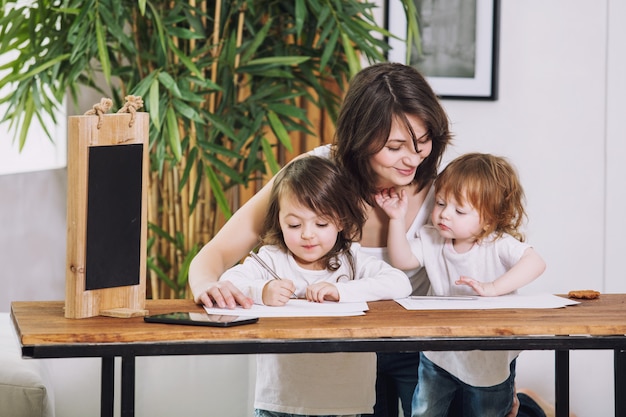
[[44, 331]]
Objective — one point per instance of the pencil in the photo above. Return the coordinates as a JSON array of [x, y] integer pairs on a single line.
[[268, 269], [264, 265]]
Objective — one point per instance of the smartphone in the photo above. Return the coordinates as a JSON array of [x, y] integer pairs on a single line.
[[200, 319]]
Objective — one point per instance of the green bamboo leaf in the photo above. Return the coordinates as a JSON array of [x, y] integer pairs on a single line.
[[162, 275], [413, 33], [154, 104], [186, 61], [143, 87], [278, 60], [187, 111], [142, 7], [268, 152], [329, 49], [196, 187], [279, 129], [191, 160], [222, 127], [160, 232], [15, 77], [29, 110], [169, 83], [266, 72], [257, 41], [323, 15], [288, 110], [173, 134], [223, 168], [103, 53], [353, 61], [184, 268], [301, 13], [183, 33], [159, 26], [212, 148], [218, 193]]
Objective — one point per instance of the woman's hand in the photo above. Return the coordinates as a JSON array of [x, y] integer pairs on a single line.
[[224, 294]]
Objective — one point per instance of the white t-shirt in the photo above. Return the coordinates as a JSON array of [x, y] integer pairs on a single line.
[[321, 383], [485, 261]]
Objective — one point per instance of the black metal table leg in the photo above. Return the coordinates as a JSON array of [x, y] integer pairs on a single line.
[[107, 386], [561, 382], [619, 358], [128, 386]]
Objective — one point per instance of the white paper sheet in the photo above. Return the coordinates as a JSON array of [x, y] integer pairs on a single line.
[[486, 303], [295, 308]]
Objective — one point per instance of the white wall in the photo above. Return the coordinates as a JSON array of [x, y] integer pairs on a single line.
[[559, 118]]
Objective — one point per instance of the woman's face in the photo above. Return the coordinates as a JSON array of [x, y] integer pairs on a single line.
[[396, 162]]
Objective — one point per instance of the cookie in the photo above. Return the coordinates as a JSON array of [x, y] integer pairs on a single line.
[[584, 294]]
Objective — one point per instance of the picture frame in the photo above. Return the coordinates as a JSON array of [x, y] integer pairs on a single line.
[[459, 45]]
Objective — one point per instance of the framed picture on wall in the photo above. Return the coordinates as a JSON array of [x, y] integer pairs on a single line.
[[458, 45]]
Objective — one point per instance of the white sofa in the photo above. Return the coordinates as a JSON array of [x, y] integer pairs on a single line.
[[25, 390]]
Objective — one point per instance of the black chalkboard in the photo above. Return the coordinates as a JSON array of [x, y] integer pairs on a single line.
[[113, 216]]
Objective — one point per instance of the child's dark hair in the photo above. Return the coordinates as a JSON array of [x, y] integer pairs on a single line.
[[489, 184], [318, 184]]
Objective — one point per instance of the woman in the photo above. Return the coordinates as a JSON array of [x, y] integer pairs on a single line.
[[391, 132]]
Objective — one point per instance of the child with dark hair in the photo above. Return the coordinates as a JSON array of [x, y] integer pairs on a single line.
[[313, 217]]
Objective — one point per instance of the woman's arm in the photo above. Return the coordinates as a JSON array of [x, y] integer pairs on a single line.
[[234, 240]]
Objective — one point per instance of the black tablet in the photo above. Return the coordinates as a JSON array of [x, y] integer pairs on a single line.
[[200, 319]]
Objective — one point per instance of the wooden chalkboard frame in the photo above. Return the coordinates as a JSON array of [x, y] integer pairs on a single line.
[[107, 151]]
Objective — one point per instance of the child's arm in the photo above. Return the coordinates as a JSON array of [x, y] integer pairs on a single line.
[[527, 269], [395, 205]]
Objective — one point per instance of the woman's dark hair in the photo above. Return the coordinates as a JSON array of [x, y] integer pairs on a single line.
[[378, 95], [320, 185]]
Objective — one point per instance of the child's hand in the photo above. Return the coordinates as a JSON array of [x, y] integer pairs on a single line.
[[485, 289], [394, 204], [277, 292], [321, 291]]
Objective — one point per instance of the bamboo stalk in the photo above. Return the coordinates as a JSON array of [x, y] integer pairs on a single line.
[[189, 231], [171, 215], [136, 33], [240, 22], [215, 51]]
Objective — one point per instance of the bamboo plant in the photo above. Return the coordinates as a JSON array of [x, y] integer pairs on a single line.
[[227, 85]]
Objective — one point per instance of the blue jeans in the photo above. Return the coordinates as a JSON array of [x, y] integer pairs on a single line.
[[437, 389], [396, 378], [265, 413]]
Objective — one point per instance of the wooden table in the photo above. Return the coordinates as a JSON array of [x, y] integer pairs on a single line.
[[44, 332]]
